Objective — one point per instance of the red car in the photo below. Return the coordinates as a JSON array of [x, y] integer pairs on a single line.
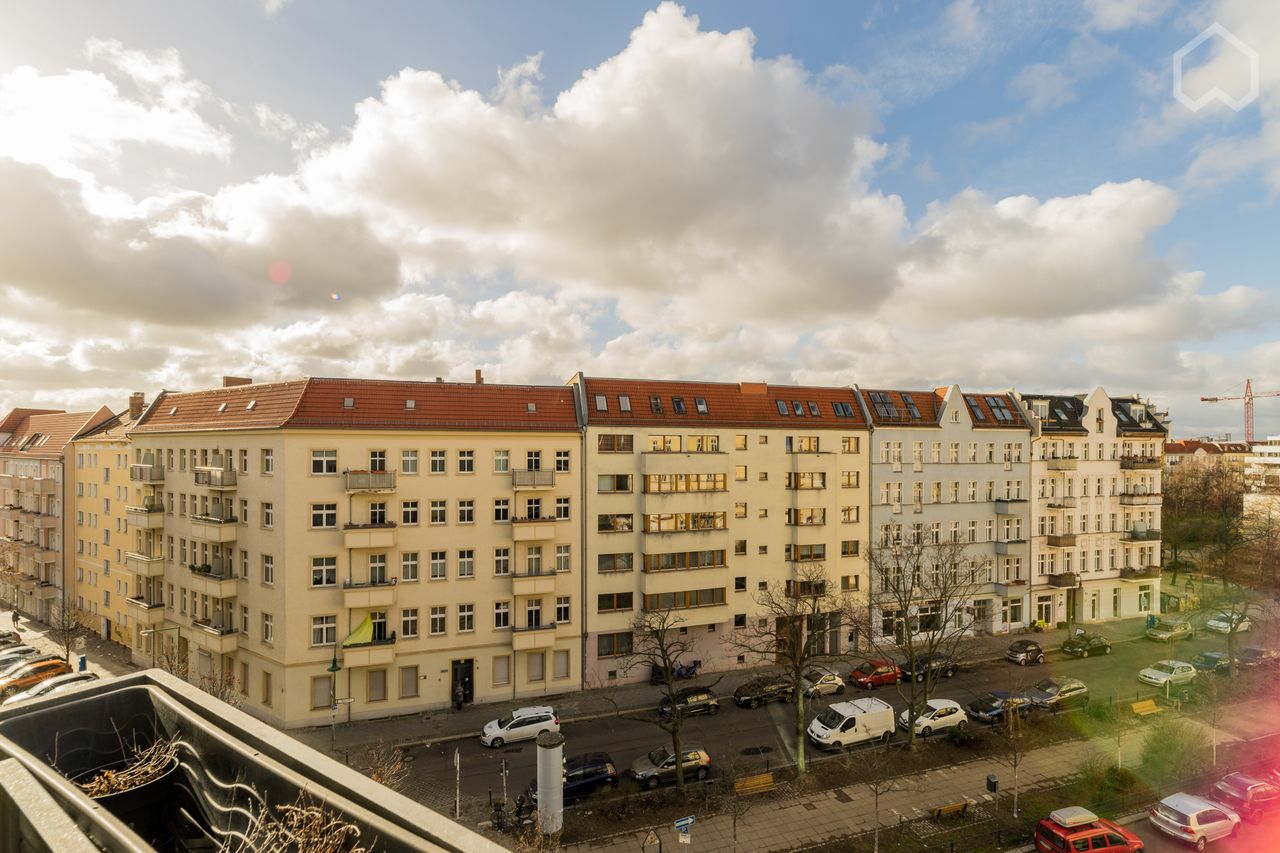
[[871, 674]]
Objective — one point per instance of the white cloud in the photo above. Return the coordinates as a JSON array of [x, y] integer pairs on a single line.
[[1043, 87], [1112, 15]]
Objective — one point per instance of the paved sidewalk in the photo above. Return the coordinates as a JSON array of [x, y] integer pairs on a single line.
[[446, 724], [790, 824], [105, 658]]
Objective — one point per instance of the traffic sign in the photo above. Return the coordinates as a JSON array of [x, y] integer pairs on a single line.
[[684, 821], [651, 840], [684, 838]]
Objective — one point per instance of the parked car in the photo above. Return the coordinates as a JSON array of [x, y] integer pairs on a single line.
[[1171, 629], [871, 674], [1074, 828], [1257, 657], [1223, 622], [520, 724], [1212, 662], [8, 666], [820, 681], [937, 714], [762, 689], [658, 766], [1087, 645], [1194, 820], [690, 702], [932, 665], [845, 723], [9, 638], [57, 684], [14, 654], [1168, 672], [30, 674], [1059, 694], [1247, 796], [583, 776], [991, 708], [1023, 652]]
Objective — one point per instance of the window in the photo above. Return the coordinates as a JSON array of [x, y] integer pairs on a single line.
[[408, 682], [560, 660], [324, 515], [268, 515], [782, 407], [409, 512], [324, 630], [537, 666], [533, 613], [408, 621], [438, 616], [614, 523], [268, 462], [502, 561], [437, 512], [466, 461], [437, 565], [655, 404], [502, 509], [408, 461], [562, 461], [609, 602], [268, 569], [533, 560], [266, 688], [533, 460], [324, 571], [608, 484], [740, 547], [849, 548], [684, 599], [377, 685], [466, 618], [324, 462], [562, 609], [377, 568], [624, 403], [740, 473], [436, 462], [613, 645], [562, 508], [614, 443], [501, 670], [501, 615], [602, 403], [409, 566], [606, 563], [321, 692], [677, 405], [740, 510], [501, 461], [563, 561], [466, 512], [268, 628], [467, 563]]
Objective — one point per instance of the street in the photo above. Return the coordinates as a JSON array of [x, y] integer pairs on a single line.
[[752, 737]]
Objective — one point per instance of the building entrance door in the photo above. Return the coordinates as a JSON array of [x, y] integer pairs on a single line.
[[462, 675]]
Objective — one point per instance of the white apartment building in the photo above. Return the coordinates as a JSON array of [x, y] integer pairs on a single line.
[[701, 494], [1096, 472], [949, 466]]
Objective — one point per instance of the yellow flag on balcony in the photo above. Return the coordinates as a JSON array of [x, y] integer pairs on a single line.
[[362, 635]]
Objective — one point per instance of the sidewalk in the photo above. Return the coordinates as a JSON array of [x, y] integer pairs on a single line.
[[105, 658], [446, 724], [849, 810]]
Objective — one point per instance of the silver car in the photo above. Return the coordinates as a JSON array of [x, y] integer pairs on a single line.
[[50, 686], [820, 681], [1194, 819], [659, 766]]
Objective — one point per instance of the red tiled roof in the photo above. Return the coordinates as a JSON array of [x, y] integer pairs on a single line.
[[1189, 445], [54, 431], [727, 404], [988, 419], [377, 404], [896, 412], [16, 416]]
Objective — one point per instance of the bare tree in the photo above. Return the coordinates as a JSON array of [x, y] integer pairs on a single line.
[[387, 765], [792, 626], [66, 625], [223, 685], [1009, 732], [878, 763], [920, 597], [730, 800]]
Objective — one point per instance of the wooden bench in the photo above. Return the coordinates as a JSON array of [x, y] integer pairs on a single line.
[[1145, 708], [757, 784], [952, 809]]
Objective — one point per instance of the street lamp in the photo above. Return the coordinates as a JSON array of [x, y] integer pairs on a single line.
[[147, 632], [334, 669]]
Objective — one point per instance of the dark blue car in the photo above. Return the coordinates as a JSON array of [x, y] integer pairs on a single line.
[[583, 776]]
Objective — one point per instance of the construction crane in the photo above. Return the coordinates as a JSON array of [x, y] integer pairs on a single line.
[[1248, 398]]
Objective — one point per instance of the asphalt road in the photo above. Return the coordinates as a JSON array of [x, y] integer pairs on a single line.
[[751, 736], [1252, 838]]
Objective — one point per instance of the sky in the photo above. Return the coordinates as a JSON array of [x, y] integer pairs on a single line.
[[895, 194]]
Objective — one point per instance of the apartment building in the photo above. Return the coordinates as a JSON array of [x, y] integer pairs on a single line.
[[388, 543], [34, 490], [701, 494], [1096, 470], [951, 467], [101, 490]]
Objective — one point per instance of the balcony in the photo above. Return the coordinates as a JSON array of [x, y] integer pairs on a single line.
[[369, 481], [146, 472], [39, 485], [149, 516], [215, 581], [1061, 502], [1015, 588], [145, 564], [41, 521], [533, 480], [1010, 546], [1140, 534], [8, 481], [47, 591], [1062, 463], [533, 528], [541, 582], [1066, 580], [43, 556], [145, 612], [28, 583], [373, 653], [361, 596], [1140, 463], [1140, 574], [1060, 540], [216, 479], [215, 639], [1136, 499], [8, 512], [533, 637], [220, 528], [1010, 506], [369, 535]]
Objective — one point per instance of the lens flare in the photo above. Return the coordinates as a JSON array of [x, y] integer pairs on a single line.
[[279, 272], [336, 297]]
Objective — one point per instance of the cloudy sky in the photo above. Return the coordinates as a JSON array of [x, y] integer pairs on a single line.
[[897, 193]]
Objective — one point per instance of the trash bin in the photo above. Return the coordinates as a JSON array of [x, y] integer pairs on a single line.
[[1151, 620], [84, 663]]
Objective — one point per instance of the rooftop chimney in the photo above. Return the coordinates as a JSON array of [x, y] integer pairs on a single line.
[[233, 381], [479, 376], [439, 378], [137, 402]]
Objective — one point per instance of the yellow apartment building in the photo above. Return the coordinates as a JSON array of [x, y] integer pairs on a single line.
[[700, 494], [392, 543]]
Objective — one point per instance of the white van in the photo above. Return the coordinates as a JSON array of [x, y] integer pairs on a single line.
[[846, 723]]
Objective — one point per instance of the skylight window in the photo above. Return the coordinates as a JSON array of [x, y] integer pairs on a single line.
[[253, 404], [348, 402], [883, 405], [975, 408], [782, 407], [655, 404], [813, 409], [174, 410], [411, 405], [910, 403], [624, 403], [602, 403], [677, 405], [798, 408], [700, 404], [222, 408], [533, 407]]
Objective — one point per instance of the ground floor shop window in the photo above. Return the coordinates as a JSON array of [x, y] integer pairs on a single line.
[[1144, 598]]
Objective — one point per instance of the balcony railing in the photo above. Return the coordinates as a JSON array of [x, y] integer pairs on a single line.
[[1140, 463], [215, 478], [213, 571], [1145, 534], [1061, 540], [147, 506], [376, 641], [146, 472], [1061, 502], [141, 601], [214, 628], [1065, 580], [369, 481], [545, 571], [379, 525], [1139, 498], [545, 626], [531, 479], [1139, 573], [531, 519], [369, 584], [1062, 463]]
